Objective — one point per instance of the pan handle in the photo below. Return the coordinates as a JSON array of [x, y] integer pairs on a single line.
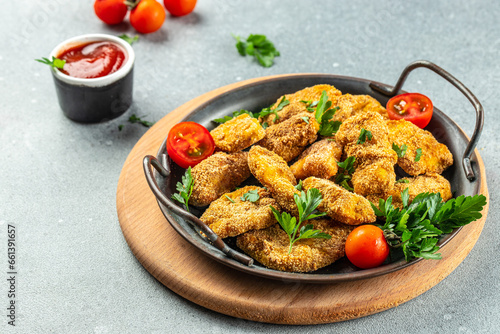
[[164, 169], [469, 172]]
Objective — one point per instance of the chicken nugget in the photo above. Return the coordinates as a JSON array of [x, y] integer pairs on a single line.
[[350, 105], [238, 133], [374, 178], [289, 138], [320, 160], [340, 204], [296, 106], [270, 247], [273, 172], [427, 183], [350, 130], [230, 216], [218, 174], [434, 158]]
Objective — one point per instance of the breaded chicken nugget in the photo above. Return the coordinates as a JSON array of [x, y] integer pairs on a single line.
[[350, 105], [350, 130], [270, 247], [435, 157], [289, 138], [230, 216], [273, 172], [216, 175], [320, 160], [340, 204], [295, 106], [375, 178], [238, 133]]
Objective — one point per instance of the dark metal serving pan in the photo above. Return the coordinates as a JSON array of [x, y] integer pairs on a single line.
[[162, 175]]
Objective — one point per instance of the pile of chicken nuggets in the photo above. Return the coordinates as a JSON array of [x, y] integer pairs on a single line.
[[290, 149]]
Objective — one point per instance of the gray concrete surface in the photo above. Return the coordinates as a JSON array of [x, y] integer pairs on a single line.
[[76, 273]]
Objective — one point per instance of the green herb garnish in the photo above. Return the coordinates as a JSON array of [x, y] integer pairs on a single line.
[[324, 114], [235, 114], [134, 119], [54, 63], [263, 113], [363, 136], [306, 205], [250, 196], [305, 119], [229, 198], [418, 154], [417, 226], [345, 173], [402, 181], [400, 151], [259, 47], [128, 39], [185, 189], [299, 186]]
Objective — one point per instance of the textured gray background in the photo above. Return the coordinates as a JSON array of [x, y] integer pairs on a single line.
[[58, 178]]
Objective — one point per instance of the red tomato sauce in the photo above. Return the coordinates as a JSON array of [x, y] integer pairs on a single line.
[[93, 60]]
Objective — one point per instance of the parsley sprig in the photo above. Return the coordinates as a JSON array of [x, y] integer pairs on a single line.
[[418, 154], [135, 119], [251, 196], [324, 114], [55, 62], [306, 205], [263, 113], [364, 135], [128, 39], [345, 173], [258, 46], [417, 226], [400, 151], [185, 189]]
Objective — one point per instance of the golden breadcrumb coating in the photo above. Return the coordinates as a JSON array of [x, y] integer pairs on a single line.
[[237, 133], [228, 219], [289, 138], [340, 204], [270, 247], [435, 156], [350, 105], [430, 183], [296, 106], [319, 159], [273, 172], [218, 174], [375, 158]]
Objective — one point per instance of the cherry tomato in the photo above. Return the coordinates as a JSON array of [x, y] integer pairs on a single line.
[[413, 107], [366, 247], [188, 143], [147, 16], [179, 7], [110, 11]]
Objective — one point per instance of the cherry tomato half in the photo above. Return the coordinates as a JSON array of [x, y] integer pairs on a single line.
[[413, 107], [179, 7], [147, 16], [110, 11], [366, 247], [188, 143]]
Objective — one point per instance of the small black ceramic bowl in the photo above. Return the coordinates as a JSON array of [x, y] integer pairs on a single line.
[[97, 99]]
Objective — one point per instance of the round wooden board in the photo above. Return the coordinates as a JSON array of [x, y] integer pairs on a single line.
[[188, 272]]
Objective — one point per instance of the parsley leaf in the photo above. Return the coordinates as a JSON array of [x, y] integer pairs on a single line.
[[230, 199], [402, 181], [306, 205], [263, 113], [305, 119], [345, 173], [299, 186], [134, 119], [400, 151], [54, 63], [250, 196], [128, 39], [235, 114], [258, 46], [418, 154], [185, 189], [363, 136], [324, 114]]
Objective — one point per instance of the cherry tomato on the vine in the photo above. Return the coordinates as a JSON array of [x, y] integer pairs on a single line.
[[179, 7], [110, 11], [366, 247], [147, 16], [413, 107], [188, 143]]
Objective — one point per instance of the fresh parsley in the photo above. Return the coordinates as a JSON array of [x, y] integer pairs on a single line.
[[418, 154], [230, 199], [185, 189], [364, 135], [402, 181], [135, 119], [324, 114], [263, 113], [258, 46], [400, 151], [128, 39], [345, 173], [299, 186], [250, 196], [54, 63], [235, 114], [306, 205], [416, 227], [305, 119]]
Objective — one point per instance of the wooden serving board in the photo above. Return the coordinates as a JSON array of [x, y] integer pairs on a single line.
[[188, 272]]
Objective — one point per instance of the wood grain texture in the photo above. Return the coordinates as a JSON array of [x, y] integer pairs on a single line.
[[189, 273]]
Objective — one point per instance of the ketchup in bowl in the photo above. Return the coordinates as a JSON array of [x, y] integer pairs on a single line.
[[93, 60]]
